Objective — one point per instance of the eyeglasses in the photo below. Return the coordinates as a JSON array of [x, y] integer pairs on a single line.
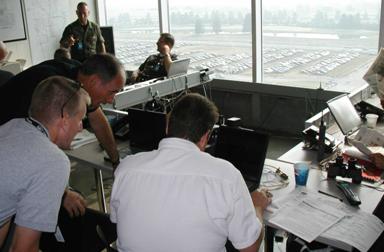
[[76, 86]]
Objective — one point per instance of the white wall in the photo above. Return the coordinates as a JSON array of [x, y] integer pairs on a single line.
[[45, 23]]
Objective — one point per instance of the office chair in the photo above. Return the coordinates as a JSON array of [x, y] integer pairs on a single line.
[[102, 237]]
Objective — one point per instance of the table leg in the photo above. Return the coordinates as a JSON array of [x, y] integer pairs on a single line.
[[268, 239], [100, 190]]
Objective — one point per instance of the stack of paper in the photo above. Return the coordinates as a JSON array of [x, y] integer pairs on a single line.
[[311, 215], [368, 141]]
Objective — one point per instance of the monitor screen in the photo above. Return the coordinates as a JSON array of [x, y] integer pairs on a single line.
[[109, 42], [344, 113], [246, 149], [146, 128]]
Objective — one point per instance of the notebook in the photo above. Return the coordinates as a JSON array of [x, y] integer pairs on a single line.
[[178, 67], [345, 114], [246, 149]]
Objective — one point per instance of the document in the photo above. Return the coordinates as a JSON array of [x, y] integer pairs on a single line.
[[311, 215], [358, 229], [368, 141], [309, 218]]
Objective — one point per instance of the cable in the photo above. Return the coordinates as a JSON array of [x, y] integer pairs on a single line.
[[272, 178]]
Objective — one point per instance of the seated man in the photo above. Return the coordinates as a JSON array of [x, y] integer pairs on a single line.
[[34, 171], [179, 198], [156, 65]]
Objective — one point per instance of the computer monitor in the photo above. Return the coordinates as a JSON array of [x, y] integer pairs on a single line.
[[345, 114], [146, 128], [245, 148], [109, 42]]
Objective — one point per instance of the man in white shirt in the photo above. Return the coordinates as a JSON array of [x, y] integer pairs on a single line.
[[179, 198]]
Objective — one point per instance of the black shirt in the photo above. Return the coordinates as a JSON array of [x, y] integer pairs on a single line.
[[16, 93], [153, 67]]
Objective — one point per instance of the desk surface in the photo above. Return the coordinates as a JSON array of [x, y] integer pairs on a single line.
[[92, 154], [317, 180]]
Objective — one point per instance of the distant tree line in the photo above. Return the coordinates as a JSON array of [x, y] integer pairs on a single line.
[[321, 19], [215, 20]]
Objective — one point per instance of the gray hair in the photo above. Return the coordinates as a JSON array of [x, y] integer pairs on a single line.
[[57, 95]]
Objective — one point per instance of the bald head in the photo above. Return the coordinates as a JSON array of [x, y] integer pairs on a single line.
[[3, 50]]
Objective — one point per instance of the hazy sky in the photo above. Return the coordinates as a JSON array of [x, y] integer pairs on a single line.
[[118, 6]]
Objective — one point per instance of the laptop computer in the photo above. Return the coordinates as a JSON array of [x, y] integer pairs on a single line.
[[246, 149], [178, 67], [146, 129], [345, 114]]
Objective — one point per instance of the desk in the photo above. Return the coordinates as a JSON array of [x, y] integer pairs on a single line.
[[92, 155], [317, 181]]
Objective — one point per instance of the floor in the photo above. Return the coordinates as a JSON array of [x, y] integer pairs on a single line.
[[82, 178]]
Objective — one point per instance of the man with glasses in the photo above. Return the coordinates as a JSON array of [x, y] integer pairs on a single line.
[[156, 65], [34, 171], [102, 76]]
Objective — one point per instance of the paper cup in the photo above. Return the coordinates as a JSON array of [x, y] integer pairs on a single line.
[[371, 120]]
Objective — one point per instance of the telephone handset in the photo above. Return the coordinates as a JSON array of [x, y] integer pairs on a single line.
[[311, 140], [121, 128]]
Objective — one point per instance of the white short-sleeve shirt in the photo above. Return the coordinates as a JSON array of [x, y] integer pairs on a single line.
[[178, 198]]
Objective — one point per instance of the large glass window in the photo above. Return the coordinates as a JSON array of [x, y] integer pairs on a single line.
[[136, 29], [304, 43], [215, 34], [327, 41]]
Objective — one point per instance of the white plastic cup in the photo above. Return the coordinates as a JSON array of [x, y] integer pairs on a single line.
[[371, 120]]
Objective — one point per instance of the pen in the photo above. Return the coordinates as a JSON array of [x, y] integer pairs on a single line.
[[330, 195]]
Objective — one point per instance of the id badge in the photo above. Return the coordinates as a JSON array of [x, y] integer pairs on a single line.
[[80, 45]]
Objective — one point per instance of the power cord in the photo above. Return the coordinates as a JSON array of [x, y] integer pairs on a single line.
[[273, 178]]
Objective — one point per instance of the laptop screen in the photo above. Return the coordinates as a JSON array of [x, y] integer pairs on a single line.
[[178, 67], [344, 113], [146, 128], [246, 149]]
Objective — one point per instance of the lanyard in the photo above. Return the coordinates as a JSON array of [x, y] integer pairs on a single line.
[[37, 125]]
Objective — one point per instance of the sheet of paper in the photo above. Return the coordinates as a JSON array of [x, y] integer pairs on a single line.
[[305, 220], [358, 229], [360, 146], [305, 214]]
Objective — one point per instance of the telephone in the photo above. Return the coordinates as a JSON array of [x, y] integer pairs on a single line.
[[121, 128], [311, 140], [365, 108]]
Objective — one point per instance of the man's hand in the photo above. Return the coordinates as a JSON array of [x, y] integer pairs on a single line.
[[68, 42], [378, 160], [74, 203], [261, 199], [164, 49]]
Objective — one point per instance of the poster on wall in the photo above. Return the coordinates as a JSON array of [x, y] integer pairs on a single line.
[[11, 21]]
